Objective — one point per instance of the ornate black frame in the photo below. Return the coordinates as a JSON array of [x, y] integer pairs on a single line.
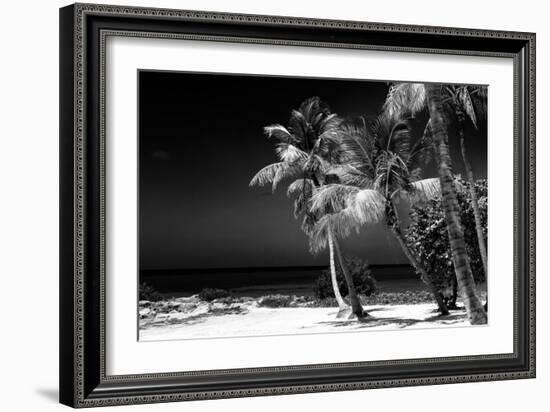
[[83, 30]]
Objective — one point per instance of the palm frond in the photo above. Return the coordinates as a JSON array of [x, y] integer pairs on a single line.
[[332, 198], [404, 98], [301, 203], [274, 173], [357, 144], [315, 165], [290, 153], [329, 122], [363, 207], [340, 224], [308, 222], [400, 140], [323, 145], [392, 174], [278, 132], [423, 149], [300, 186], [478, 96], [392, 134], [313, 106], [292, 170], [317, 118], [424, 190], [297, 125], [466, 102], [368, 206], [349, 174]]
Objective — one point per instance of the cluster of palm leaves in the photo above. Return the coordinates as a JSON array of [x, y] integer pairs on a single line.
[[347, 174]]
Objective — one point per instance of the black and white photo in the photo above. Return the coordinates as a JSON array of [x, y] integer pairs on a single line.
[[287, 205]]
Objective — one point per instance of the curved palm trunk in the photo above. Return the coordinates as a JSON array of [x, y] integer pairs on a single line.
[[356, 307], [341, 303], [464, 277], [396, 230], [473, 195]]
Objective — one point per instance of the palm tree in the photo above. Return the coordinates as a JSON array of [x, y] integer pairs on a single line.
[[304, 150], [412, 98], [336, 290], [378, 168], [460, 100], [464, 277]]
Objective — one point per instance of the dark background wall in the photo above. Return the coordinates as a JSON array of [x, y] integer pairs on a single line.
[[201, 141]]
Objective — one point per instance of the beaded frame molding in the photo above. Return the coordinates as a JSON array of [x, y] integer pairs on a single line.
[[83, 32]]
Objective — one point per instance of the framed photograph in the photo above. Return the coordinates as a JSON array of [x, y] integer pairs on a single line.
[[260, 205]]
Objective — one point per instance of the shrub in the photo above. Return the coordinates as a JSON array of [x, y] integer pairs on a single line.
[[412, 297], [209, 294], [427, 236], [147, 292], [359, 269], [275, 301]]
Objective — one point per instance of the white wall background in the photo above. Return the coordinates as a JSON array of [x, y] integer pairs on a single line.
[[29, 204]]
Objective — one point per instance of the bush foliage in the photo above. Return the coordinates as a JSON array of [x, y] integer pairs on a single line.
[[275, 301], [147, 292], [427, 235], [364, 282], [209, 294]]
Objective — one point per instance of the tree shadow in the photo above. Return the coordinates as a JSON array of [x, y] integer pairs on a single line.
[[375, 309], [191, 320], [397, 322], [453, 317], [196, 319], [371, 322]]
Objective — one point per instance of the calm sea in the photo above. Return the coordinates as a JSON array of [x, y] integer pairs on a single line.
[[257, 281]]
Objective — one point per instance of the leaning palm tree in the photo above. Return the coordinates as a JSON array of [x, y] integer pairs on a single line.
[[304, 149], [412, 97], [460, 99], [378, 169], [464, 277], [303, 188], [319, 239]]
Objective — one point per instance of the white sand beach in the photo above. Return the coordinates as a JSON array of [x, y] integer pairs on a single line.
[[258, 321]]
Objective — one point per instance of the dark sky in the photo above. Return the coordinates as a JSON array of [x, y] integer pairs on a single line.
[[201, 141]]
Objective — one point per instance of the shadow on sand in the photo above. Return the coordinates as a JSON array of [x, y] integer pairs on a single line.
[[397, 322], [193, 320]]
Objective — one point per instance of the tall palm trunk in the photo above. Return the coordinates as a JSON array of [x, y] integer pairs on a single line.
[[473, 194], [475, 205], [331, 242], [356, 307], [395, 227], [341, 303], [464, 277]]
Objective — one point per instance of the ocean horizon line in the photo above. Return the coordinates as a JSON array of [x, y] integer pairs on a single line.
[[257, 269]]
